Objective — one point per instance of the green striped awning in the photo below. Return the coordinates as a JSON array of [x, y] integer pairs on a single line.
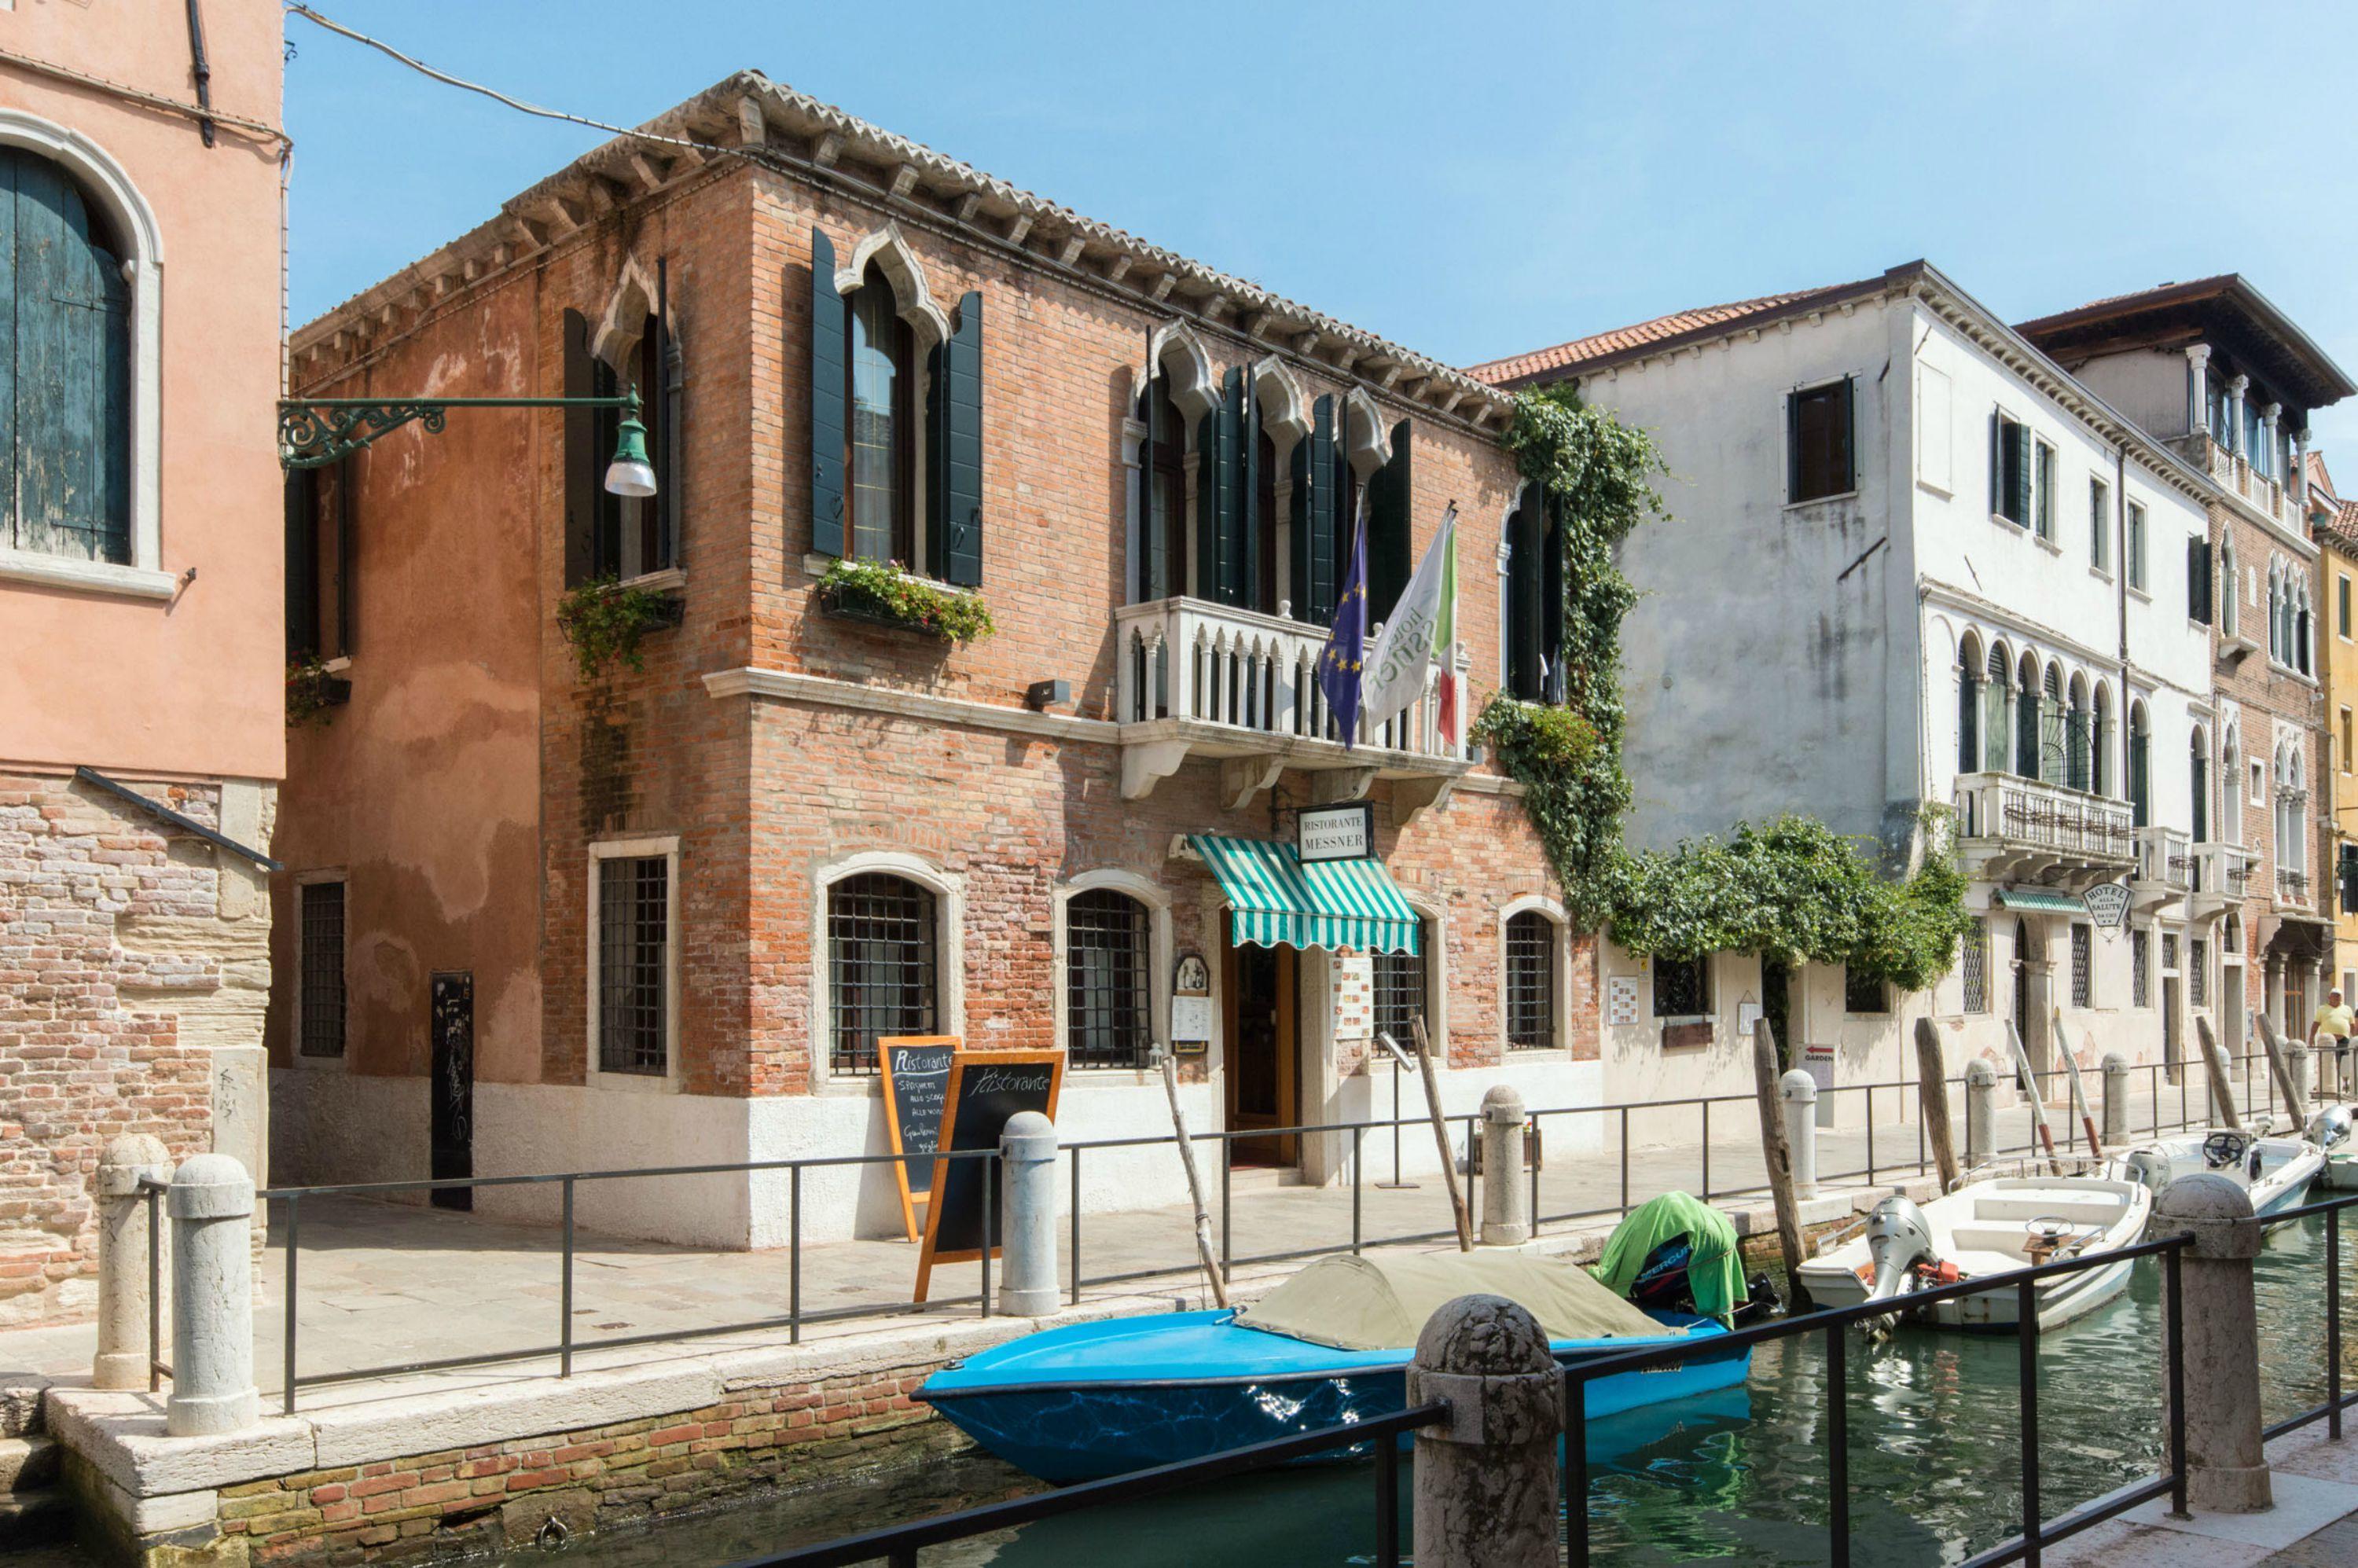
[[2042, 901], [1276, 898]]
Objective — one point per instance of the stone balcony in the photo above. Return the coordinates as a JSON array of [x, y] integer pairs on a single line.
[[2165, 867], [2293, 892], [1198, 679], [2220, 878], [2018, 830]]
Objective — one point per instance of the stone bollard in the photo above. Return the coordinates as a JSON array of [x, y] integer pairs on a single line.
[[1485, 1478], [211, 1206], [1797, 1092], [2116, 1100], [2226, 1463], [1981, 1114], [1027, 1196], [123, 1236], [1506, 1197]]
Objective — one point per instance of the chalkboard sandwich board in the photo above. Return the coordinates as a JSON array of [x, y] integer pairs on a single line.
[[916, 1071], [987, 1088]]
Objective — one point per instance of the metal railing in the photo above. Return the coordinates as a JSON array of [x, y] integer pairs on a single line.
[[2037, 1533], [2336, 1402], [1881, 1161], [900, 1544]]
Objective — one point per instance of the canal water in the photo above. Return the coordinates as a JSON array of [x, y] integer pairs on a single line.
[[1738, 1477]]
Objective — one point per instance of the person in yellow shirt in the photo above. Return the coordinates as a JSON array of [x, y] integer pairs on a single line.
[[2333, 1026]]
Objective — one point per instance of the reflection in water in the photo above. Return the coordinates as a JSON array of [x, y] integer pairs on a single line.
[[1738, 1477]]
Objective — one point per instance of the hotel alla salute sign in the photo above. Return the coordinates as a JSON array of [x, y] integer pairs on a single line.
[[1346, 832]]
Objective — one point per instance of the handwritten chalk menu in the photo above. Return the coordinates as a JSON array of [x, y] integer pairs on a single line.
[[916, 1071], [987, 1088]]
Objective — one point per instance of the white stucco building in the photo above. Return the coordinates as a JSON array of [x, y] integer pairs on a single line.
[[1910, 562]]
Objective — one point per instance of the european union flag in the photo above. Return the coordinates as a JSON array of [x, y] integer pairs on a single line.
[[1345, 658]]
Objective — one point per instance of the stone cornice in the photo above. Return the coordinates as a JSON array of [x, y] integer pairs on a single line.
[[823, 691], [773, 128]]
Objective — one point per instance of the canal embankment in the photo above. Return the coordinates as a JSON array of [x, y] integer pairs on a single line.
[[467, 1460]]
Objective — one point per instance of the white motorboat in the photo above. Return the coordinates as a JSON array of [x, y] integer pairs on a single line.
[[2334, 1129], [2276, 1172], [1989, 1227]]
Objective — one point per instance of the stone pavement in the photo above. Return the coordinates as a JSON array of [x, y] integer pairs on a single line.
[[2314, 1523], [386, 1285]]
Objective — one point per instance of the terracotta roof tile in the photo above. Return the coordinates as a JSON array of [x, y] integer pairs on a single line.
[[1620, 339]]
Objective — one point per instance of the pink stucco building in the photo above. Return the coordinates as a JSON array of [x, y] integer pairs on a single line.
[[142, 728]]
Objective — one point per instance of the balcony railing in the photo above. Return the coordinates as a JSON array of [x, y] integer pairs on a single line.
[[2292, 887], [2023, 819], [2224, 869], [1249, 673], [2164, 857]]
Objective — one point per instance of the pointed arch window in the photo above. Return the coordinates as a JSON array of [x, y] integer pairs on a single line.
[[1969, 706], [2026, 720], [1995, 737], [2198, 764], [2100, 757], [879, 386], [2051, 748], [2140, 771], [2078, 749]]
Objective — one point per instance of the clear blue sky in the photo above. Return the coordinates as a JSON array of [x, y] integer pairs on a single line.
[[1513, 176]]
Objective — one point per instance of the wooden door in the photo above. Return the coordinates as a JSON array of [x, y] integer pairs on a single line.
[[1263, 1065]]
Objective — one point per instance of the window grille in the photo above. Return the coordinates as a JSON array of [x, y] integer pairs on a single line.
[[2198, 981], [1975, 963], [2082, 962], [2169, 950], [1107, 1013], [1530, 981], [1681, 988], [2140, 969], [1863, 993], [633, 952], [882, 977], [323, 970], [1400, 986]]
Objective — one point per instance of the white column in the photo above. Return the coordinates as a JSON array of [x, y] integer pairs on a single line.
[[2297, 481], [2235, 390], [123, 1244], [2198, 385], [2268, 417]]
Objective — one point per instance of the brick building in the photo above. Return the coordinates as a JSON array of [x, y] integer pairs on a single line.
[[141, 731], [2224, 376], [536, 920]]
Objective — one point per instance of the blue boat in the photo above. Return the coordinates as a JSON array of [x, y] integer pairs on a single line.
[[1328, 1347]]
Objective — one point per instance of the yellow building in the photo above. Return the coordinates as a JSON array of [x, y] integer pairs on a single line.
[[2334, 523]]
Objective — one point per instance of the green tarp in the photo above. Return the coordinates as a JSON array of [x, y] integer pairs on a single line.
[[1379, 1301], [1714, 1270]]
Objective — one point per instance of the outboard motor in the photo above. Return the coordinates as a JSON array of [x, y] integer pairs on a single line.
[[2330, 1127], [2148, 1168], [1898, 1238]]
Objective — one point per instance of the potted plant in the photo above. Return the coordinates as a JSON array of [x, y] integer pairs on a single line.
[[312, 691], [606, 620], [880, 594]]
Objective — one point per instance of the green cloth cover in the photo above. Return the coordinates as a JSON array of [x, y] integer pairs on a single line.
[[1378, 1300], [1716, 1272]]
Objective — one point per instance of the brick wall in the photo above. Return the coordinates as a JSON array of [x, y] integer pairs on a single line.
[[460, 1501], [130, 961]]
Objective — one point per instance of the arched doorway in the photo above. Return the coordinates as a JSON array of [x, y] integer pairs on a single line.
[[2021, 969]]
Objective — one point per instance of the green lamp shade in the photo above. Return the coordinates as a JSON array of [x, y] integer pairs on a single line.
[[630, 473]]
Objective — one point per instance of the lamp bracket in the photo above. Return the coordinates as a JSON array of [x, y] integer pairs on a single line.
[[315, 431]]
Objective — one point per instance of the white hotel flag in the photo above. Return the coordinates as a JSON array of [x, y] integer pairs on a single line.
[[1422, 627]]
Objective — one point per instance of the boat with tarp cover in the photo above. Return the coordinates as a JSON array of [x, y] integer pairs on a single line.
[[1328, 1347]]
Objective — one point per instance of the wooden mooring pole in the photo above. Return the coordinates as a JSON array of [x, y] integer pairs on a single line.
[[1780, 1153], [1204, 1252], [1932, 1101], [2079, 1090], [2038, 1097], [2214, 1067], [1431, 1075], [2288, 1083]]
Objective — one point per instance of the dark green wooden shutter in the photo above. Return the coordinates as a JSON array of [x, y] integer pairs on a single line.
[[1554, 675], [2017, 471], [581, 487], [1249, 521], [1997, 463], [2195, 609], [11, 530], [71, 335], [302, 562], [1792, 447], [1524, 577], [1226, 481], [1209, 506], [1847, 434], [954, 551], [1388, 549], [829, 330], [1315, 500]]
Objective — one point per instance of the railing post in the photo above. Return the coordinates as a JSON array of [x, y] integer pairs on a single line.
[[1799, 1093], [1506, 1220], [1981, 1114], [793, 1254], [2025, 1339], [2218, 1328], [124, 1218], [211, 1206], [1486, 1475], [2116, 1100], [1027, 1169], [1074, 1154], [564, 1294]]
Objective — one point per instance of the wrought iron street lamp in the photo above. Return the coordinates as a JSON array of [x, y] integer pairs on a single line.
[[315, 431]]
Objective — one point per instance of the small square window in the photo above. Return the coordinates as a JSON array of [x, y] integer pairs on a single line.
[[1864, 994], [1820, 461], [633, 964], [1682, 987]]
